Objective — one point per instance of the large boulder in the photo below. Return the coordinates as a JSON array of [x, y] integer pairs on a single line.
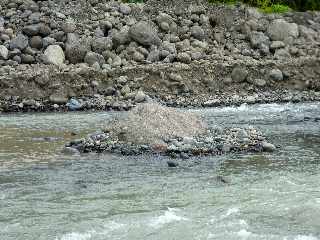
[[280, 30], [54, 55], [143, 33]]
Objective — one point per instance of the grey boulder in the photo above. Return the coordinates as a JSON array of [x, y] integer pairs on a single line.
[[197, 32], [143, 33], [102, 44], [20, 42], [276, 74], [239, 74], [280, 30], [257, 39], [92, 57]]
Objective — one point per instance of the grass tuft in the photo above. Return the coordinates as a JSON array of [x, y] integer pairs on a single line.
[[276, 8], [265, 6]]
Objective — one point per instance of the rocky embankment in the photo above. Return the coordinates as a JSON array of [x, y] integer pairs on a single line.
[[60, 55], [154, 129]]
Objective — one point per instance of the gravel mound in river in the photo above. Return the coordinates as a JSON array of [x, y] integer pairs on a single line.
[[151, 123], [152, 128]]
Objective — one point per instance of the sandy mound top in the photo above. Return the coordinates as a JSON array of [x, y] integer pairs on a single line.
[[152, 123]]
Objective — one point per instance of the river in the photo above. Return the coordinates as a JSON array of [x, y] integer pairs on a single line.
[[45, 195]]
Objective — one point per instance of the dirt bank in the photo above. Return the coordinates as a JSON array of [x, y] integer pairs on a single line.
[[60, 55]]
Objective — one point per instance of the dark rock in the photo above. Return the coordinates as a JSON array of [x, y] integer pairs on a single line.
[[31, 30], [105, 26], [172, 164], [27, 59], [59, 36], [44, 30], [36, 42], [222, 179]]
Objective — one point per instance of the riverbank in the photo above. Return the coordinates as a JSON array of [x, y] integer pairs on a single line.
[[45, 88], [111, 56]]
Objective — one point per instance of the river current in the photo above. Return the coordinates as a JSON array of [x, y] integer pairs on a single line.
[[45, 195]]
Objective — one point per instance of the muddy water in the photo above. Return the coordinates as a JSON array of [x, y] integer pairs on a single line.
[[46, 195]]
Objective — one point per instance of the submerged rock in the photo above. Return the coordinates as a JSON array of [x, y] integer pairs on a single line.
[[172, 164]]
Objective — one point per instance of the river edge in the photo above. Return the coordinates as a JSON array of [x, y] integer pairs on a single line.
[[10, 107]]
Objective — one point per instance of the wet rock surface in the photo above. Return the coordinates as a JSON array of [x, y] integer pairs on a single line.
[[167, 134]]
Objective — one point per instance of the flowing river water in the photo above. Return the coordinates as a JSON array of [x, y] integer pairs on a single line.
[[45, 195]]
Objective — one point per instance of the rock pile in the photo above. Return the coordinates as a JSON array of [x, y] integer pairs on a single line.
[[151, 128], [110, 34], [111, 55]]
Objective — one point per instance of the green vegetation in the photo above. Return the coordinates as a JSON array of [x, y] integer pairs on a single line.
[[133, 1], [268, 6], [277, 6]]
